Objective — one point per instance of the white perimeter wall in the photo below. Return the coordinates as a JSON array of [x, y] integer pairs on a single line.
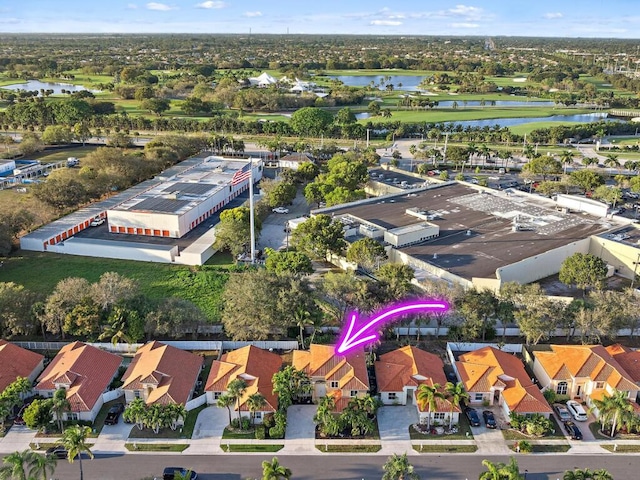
[[121, 250]]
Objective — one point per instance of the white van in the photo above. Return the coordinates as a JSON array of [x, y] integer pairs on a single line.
[[577, 411]]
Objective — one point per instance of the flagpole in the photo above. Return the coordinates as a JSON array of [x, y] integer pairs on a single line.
[[251, 220]]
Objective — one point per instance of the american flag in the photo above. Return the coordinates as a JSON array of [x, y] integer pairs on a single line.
[[241, 175]]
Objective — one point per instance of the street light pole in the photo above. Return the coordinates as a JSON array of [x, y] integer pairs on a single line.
[[635, 269]]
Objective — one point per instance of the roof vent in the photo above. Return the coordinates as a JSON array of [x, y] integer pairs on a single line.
[[435, 256], [468, 233]]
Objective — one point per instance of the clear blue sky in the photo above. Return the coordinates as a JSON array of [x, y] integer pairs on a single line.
[[555, 18]]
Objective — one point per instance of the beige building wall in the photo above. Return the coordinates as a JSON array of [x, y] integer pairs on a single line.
[[540, 266], [621, 256]]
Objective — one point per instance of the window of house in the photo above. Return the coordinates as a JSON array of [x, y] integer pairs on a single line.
[[562, 388], [478, 397], [136, 393], [438, 415], [599, 385], [72, 416], [392, 396], [353, 393], [217, 395], [334, 384], [258, 415]]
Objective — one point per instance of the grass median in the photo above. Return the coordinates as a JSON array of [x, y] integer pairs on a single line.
[[156, 447], [445, 448], [349, 448], [252, 448]]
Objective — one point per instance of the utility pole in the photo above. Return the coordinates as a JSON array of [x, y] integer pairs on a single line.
[[635, 269], [251, 216], [368, 130], [444, 153]]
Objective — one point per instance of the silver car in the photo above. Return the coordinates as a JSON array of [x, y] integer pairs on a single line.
[[563, 413]]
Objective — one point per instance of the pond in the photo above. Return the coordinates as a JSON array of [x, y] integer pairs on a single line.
[[57, 88], [510, 122], [498, 103]]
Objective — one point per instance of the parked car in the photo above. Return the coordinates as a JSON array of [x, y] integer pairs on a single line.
[[280, 210], [96, 222], [170, 473], [113, 415], [563, 413], [473, 417], [489, 419], [577, 411], [57, 451], [573, 430]]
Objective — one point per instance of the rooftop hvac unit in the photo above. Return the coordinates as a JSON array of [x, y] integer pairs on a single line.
[[435, 256], [468, 233]]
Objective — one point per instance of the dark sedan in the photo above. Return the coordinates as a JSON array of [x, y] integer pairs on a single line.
[[573, 430], [473, 417], [489, 419], [57, 451], [113, 415]]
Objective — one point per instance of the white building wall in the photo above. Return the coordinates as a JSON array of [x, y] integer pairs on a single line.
[[7, 166], [401, 398], [541, 374], [120, 250]]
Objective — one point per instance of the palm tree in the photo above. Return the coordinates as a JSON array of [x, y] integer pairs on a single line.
[[136, 412], [397, 467], [612, 161], [602, 474], [60, 405], [578, 474], [74, 440], [566, 157], [455, 394], [255, 402], [587, 161], [427, 398], [613, 407], [302, 318], [226, 401], [43, 466], [176, 411], [501, 471], [236, 389], [274, 471], [16, 464]]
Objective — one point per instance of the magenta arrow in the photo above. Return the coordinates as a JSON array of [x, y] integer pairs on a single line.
[[351, 340]]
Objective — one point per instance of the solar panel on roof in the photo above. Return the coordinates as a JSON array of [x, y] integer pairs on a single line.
[[190, 188], [167, 205]]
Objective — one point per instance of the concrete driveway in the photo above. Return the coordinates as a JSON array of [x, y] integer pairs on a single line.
[[301, 431], [211, 423], [113, 437], [394, 421]]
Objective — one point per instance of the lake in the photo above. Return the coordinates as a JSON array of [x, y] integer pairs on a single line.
[[498, 103], [57, 88]]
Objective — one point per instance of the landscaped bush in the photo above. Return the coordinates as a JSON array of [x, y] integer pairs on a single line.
[[261, 432], [535, 425], [280, 427], [269, 420], [243, 424]]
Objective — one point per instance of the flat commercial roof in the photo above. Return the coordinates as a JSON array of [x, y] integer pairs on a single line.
[[476, 234], [162, 205]]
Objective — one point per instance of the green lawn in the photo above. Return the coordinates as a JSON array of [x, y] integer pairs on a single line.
[[464, 432], [621, 448], [252, 448], [349, 448], [59, 155], [546, 448], [41, 272], [445, 448], [156, 447], [475, 113], [236, 434]]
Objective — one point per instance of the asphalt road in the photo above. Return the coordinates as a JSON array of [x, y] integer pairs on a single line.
[[357, 467]]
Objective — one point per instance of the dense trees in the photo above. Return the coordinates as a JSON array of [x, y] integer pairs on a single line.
[[311, 121], [583, 270], [319, 236], [233, 232]]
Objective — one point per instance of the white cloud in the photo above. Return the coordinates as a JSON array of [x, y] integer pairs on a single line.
[[386, 23], [465, 10], [553, 15], [211, 4], [162, 7], [252, 14], [132, 6], [464, 25]]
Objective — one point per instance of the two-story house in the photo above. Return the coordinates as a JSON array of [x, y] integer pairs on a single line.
[[343, 376], [253, 365], [162, 374], [85, 372], [494, 377], [17, 362], [585, 372], [400, 373]]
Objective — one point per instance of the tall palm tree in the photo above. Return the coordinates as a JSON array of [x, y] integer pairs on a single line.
[[455, 394], [612, 408], [602, 474], [501, 471], [74, 440], [566, 157], [397, 467], [302, 318], [612, 161], [226, 401], [236, 389], [578, 474], [255, 402], [587, 161], [43, 466], [60, 405], [16, 465], [274, 471], [427, 397]]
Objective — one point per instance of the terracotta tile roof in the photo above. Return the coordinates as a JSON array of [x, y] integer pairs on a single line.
[[322, 361], [489, 367], [171, 370], [87, 372], [407, 367], [629, 360], [16, 362], [255, 366], [591, 361]]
